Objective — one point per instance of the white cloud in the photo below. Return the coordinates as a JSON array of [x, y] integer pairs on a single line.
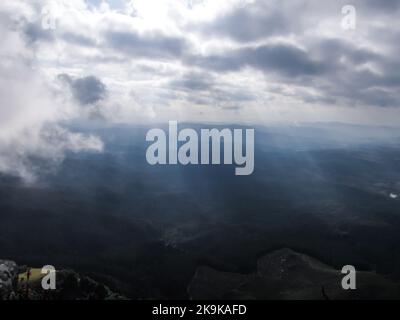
[[31, 110]]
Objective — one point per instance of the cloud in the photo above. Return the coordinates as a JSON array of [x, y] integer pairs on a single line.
[[34, 150], [254, 21], [29, 125], [282, 59], [31, 112], [78, 39], [386, 5], [202, 60], [152, 45], [34, 33], [87, 90], [196, 81], [202, 88]]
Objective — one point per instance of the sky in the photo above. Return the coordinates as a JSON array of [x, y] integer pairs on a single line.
[[150, 61]]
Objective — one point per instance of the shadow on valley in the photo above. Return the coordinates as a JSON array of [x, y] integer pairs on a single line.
[[145, 230]]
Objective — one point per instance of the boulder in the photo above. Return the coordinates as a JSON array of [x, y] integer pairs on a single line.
[[8, 279]]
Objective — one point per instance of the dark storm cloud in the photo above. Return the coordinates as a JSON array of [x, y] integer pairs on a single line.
[[249, 23], [234, 95], [339, 70], [204, 88], [34, 32], [333, 49], [336, 68], [152, 45], [194, 81], [87, 90], [360, 88], [282, 59], [388, 5], [78, 39], [351, 80], [262, 19]]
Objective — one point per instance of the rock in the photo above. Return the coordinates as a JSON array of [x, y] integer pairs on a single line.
[[288, 275], [70, 285], [8, 278]]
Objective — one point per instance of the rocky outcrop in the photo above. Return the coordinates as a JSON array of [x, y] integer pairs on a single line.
[[70, 285], [286, 274], [8, 279]]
